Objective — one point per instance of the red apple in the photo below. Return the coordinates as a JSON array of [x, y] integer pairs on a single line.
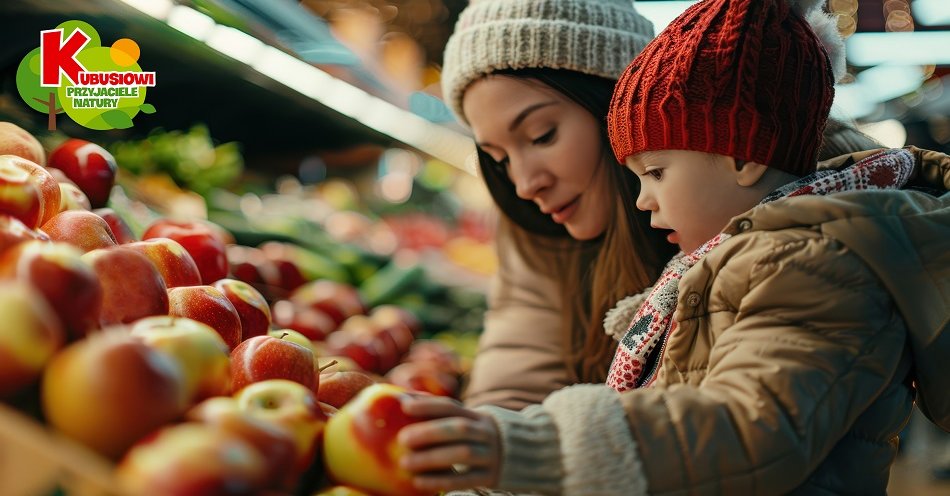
[[31, 335], [12, 232], [203, 356], [110, 389], [366, 353], [341, 491], [270, 439], [294, 337], [360, 447], [88, 165], [44, 182], [338, 300], [250, 305], [206, 304], [131, 286], [121, 230], [80, 228], [289, 275], [360, 328], [193, 459], [67, 283], [72, 198], [60, 177], [315, 324], [292, 406], [172, 261], [424, 377], [392, 316], [200, 241], [266, 357], [14, 140], [338, 387], [436, 354], [20, 197]]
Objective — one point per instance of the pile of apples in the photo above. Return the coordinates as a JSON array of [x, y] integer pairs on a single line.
[[147, 352]]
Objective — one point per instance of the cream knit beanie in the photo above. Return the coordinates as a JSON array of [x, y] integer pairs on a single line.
[[598, 37]]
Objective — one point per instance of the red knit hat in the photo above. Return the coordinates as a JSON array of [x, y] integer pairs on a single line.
[[748, 79]]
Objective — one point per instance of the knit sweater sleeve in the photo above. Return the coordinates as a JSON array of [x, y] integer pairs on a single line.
[[577, 441]]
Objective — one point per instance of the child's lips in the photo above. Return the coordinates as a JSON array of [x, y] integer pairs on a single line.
[[673, 237]]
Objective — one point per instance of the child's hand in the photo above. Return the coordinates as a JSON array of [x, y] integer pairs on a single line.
[[457, 449]]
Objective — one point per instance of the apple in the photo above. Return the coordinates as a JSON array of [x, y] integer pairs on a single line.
[[289, 275], [266, 357], [131, 286], [80, 228], [360, 447], [424, 377], [199, 240], [270, 439], [31, 335], [204, 357], [60, 177], [14, 140], [241, 266], [363, 329], [315, 324], [338, 300], [45, 183], [294, 337], [250, 305], [436, 354], [120, 229], [292, 406], [366, 353], [337, 388], [110, 389], [59, 273], [341, 491], [193, 459], [88, 165], [392, 316], [13, 232], [172, 261], [72, 198], [20, 197], [208, 305]]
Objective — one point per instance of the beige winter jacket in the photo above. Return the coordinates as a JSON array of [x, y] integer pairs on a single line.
[[791, 369], [520, 358]]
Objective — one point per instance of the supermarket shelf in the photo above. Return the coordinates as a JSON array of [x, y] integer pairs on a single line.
[[238, 100]]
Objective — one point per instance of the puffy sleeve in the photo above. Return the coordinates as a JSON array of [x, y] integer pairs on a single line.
[[520, 357], [813, 341]]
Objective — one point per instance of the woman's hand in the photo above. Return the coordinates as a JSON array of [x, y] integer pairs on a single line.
[[456, 449]]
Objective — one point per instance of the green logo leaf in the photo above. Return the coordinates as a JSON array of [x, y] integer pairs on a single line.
[[117, 119], [147, 108]]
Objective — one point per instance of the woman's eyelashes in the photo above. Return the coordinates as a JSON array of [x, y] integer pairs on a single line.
[[546, 137]]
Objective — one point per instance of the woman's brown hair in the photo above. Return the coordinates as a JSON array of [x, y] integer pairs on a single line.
[[592, 275]]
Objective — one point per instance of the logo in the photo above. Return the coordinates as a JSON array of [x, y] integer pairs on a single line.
[[97, 87]]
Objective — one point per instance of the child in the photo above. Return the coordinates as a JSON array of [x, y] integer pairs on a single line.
[[782, 350]]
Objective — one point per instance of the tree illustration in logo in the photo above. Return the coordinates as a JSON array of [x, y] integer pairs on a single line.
[[121, 56]]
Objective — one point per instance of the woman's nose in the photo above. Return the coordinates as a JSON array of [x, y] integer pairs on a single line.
[[530, 178]]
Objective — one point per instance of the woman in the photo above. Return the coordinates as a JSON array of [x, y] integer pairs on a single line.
[[533, 80]]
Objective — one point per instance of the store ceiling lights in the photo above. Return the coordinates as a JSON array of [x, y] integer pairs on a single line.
[[438, 141], [931, 12]]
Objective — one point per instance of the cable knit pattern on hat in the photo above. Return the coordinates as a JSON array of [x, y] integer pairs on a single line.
[[598, 37], [748, 79]]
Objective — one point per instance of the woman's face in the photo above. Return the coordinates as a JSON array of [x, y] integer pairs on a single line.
[[550, 147]]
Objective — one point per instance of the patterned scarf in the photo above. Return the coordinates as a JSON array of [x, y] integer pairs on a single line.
[[641, 350]]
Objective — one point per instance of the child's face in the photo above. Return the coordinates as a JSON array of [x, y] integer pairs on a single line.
[[550, 147], [691, 193]]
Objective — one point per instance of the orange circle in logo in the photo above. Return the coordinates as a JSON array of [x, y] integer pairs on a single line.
[[124, 52]]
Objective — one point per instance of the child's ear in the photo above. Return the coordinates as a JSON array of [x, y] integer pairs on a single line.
[[749, 173]]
